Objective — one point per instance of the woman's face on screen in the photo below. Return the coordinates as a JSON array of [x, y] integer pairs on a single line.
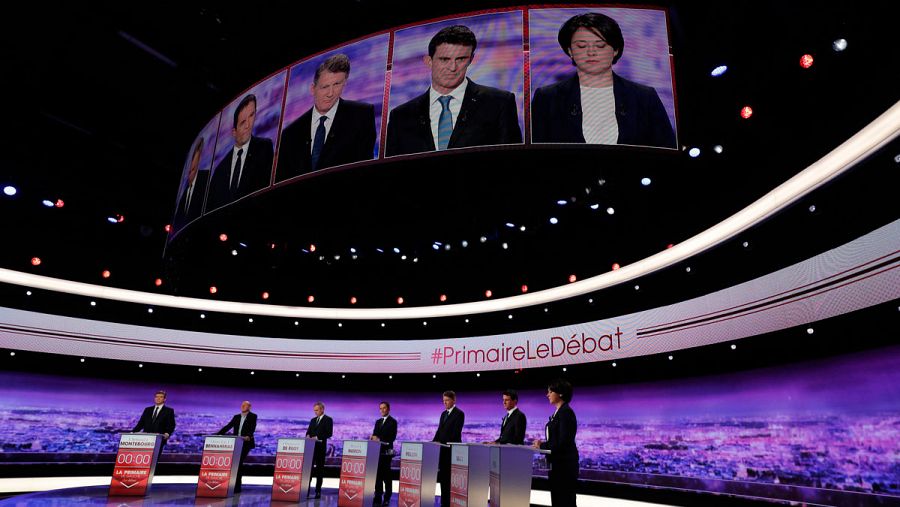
[[591, 53]]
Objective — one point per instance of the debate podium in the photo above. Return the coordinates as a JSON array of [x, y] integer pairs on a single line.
[[469, 469], [219, 466], [510, 475], [293, 464], [418, 473], [359, 464], [135, 464]]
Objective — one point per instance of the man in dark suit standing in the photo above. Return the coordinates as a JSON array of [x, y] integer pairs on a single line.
[[244, 425], [512, 428], [385, 432], [449, 430], [157, 418], [333, 132], [248, 165], [321, 428], [455, 112], [190, 205]]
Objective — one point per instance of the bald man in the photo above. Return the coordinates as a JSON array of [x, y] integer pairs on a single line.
[[244, 425]]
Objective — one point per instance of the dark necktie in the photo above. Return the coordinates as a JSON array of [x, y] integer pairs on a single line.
[[318, 143], [236, 174], [155, 413], [504, 420], [445, 123]]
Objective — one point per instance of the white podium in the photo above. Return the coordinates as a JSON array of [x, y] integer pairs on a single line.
[[469, 469], [359, 465], [293, 464], [135, 464], [418, 473], [219, 466]]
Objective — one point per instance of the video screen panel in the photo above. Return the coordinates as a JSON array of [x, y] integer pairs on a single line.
[[195, 176], [477, 62], [343, 90], [245, 151], [610, 84]]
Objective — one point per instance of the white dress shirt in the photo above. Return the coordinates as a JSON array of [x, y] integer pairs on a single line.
[[328, 121], [434, 110], [598, 115], [234, 164]]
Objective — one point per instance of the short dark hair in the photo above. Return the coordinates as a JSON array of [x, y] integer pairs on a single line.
[[450, 394], [512, 394], [385, 403], [336, 63], [600, 24], [456, 34], [563, 388], [243, 104], [161, 392]]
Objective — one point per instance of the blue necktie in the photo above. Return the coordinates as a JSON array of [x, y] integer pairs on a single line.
[[445, 123], [318, 142]]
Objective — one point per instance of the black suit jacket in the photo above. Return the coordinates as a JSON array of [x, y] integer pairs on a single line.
[[255, 175], [450, 427], [247, 431], [351, 138], [386, 433], [164, 423], [556, 114], [513, 431], [561, 442], [488, 116], [182, 215], [322, 430]]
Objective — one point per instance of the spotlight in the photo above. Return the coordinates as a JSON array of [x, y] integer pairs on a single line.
[[488, 293], [810, 330], [482, 239], [390, 377], [252, 373], [48, 203], [10, 190], [553, 220], [511, 226], [562, 202], [312, 248], [546, 309], [265, 295], [505, 246], [340, 324], [93, 303], [140, 365], [671, 358], [400, 300], [213, 289], [812, 208], [572, 278], [149, 310], [746, 112], [694, 152], [424, 322], [112, 220], [250, 320], [733, 346], [564, 368], [465, 243], [354, 257], [382, 324], [595, 206], [591, 301], [524, 288], [27, 292], [443, 298], [806, 61], [120, 218], [200, 369], [646, 182], [82, 359], [477, 374], [687, 269], [509, 316], [202, 315], [718, 148], [467, 321], [168, 228], [403, 257], [718, 71], [337, 257], [296, 322], [343, 376], [447, 247], [353, 300], [59, 203], [158, 282], [35, 261], [223, 237], [839, 45], [436, 246], [745, 244], [396, 250], [637, 287], [415, 259], [610, 211], [615, 266], [352, 250], [614, 365], [522, 228], [433, 376], [670, 245], [310, 299], [234, 253]]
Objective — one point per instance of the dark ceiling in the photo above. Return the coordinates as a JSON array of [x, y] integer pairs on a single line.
[[108, 98]]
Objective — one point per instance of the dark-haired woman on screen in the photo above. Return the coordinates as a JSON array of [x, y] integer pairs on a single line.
[[596, 105], [560, 434]]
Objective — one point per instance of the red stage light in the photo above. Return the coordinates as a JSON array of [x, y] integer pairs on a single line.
[[312, 248], [670, 245], [223, 237], [443, 297], [353, 300], [213, 289], [524, 289], [746, 112], [310, 299], [615, 266], [35, 261], [572, 278], [157, 282], [488, 293], [120, 218], [168, 227], [105, 273], [265, 295], [60, 203], [806, 61], [400, 300]]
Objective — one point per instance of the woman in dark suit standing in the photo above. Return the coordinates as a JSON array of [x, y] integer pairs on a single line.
[[560, 434]]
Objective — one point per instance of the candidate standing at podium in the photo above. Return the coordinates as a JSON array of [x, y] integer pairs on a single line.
[[449, 430], [512, 427], [560, 435], [157, 418], [385, 432], [244, 425], [321, 428]]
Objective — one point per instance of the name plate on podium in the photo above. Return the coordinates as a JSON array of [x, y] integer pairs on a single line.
[[219, 466], [359, 464], [135, 464], [292, 469], [418, 469], [469, 468]]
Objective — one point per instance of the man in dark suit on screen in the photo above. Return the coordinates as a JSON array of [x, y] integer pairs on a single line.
[[333, 132], [248, 165], [244, 426], [190, 205], [449, 430], [157, 418], [385, 431], [321, 427], [455, 112], [512, 427]]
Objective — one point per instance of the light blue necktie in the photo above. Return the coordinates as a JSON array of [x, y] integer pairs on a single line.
[[445, 123]]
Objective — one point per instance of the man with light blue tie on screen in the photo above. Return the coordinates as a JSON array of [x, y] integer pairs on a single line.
[[455, 112]]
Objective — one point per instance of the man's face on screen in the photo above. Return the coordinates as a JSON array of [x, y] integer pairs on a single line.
[[159, 398], [245, 406], [449, 402], [246, 119], [384, 409], [194, 168], [449, 65], [318, 410], [328, 89], [591, 53]]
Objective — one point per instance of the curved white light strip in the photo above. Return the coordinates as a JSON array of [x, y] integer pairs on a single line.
[[863, 144]]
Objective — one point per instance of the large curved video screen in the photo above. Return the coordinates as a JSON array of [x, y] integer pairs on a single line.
[[511, 77]]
